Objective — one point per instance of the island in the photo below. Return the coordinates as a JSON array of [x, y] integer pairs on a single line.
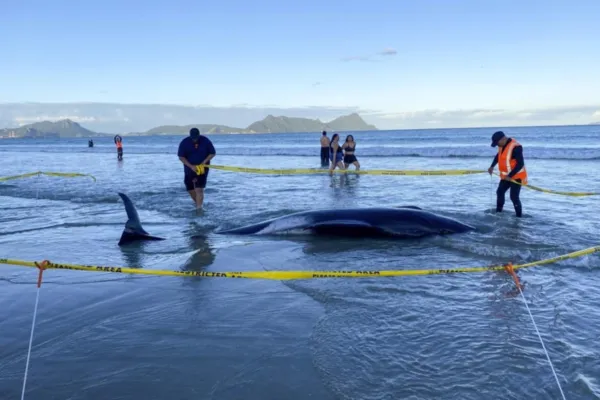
[[270, 124], [60, 129]]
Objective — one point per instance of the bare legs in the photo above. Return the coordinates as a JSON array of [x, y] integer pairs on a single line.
[[198, 196]]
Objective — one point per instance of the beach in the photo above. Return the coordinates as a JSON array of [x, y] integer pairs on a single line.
[[450, 336]]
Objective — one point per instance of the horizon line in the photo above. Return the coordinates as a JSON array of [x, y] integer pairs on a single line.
[[500, 127]]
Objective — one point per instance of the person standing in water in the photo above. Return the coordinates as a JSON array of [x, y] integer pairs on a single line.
[[336, 155], [349, 158], [512, 167], [324, 150], [119, 143], [193, 151]]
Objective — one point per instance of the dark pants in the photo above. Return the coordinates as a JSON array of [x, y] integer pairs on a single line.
[[120, 153], [515, 190], [192, 182], [324, 156]]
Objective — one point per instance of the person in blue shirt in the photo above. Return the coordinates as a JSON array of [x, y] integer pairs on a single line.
[[195, 150]]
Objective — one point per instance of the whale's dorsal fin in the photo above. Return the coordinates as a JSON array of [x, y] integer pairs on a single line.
[[133, 227]]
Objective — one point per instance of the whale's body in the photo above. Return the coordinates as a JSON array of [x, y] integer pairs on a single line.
[[402, 222]]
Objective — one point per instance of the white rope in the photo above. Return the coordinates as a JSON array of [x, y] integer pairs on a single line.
[[542, 342], [37, 299]]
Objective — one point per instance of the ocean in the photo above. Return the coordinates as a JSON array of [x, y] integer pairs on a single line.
[[450, 336]]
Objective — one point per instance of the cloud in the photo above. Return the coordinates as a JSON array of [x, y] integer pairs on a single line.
[[317, 84], [370, 58], [25, 120], [388, 52], [576, 115], [357, 58]]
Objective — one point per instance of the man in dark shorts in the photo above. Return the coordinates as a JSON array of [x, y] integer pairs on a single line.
[[324, 150], [195, 150]]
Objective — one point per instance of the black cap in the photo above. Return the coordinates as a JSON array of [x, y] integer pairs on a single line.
[[194, 133], [324, 133], [496, 138]]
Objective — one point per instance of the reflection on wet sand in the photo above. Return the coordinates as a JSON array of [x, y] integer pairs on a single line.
[[132, 255], [203, 256], [345, 180]]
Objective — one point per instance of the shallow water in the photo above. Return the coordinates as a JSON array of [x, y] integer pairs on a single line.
[[463, 336]]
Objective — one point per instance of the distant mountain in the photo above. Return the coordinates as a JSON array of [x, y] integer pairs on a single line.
[[272, 124], [64, 128], [351, 122], [594, 123], [185, 129], [68, 129], [122, 118]]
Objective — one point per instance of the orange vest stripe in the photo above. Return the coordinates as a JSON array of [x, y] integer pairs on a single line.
[[506, 163]]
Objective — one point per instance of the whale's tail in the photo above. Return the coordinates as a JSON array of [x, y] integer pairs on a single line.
[[133, 227]]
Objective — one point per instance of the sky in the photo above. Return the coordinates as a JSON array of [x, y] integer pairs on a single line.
[[400, 64]]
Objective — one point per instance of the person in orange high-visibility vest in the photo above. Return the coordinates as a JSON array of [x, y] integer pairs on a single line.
[[119, 142], [512, 167]]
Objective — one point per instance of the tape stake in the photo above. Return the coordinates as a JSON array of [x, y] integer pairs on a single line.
[[509, 268], [41, 267]]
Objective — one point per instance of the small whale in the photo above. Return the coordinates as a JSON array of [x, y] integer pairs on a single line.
[[403, 222], [399, 222]]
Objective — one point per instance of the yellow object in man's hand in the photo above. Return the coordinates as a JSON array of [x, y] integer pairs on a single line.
[[200, 169]]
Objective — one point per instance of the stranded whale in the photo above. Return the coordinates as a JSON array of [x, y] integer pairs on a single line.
[[401, 222]]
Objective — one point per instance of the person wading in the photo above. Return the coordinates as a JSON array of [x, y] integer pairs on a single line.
[[119, 143], [336, 155], [324, 150], [193, 151], [512, 167], [349, 147]]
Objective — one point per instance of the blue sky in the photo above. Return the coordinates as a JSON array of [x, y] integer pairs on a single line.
[[517, 59]]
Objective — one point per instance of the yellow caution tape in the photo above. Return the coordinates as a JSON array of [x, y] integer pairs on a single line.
[[539, 189], [63, 174], [302, 171], [288, 275]]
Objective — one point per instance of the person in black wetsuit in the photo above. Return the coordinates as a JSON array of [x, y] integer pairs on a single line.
[[512, 167], [349, 158]]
